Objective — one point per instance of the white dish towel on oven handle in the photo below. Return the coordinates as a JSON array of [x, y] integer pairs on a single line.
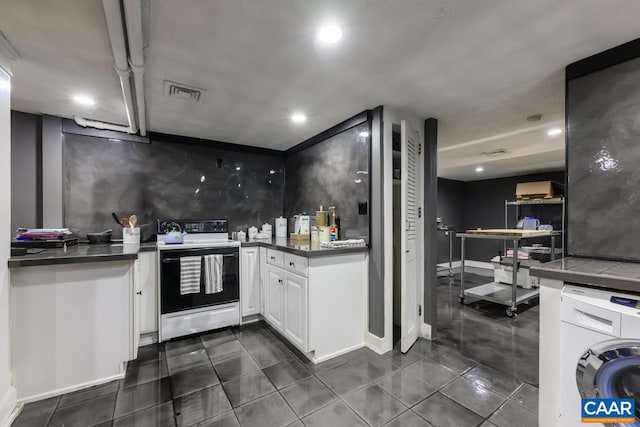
[[190, 274], [213, 265]]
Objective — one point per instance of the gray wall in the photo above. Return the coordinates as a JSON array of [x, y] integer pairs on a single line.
[[26, 158], [450, 209], [483, 207], [327, 174], [603, 154], [165, 180]]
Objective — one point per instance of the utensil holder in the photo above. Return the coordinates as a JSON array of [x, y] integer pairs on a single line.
[[131, 236]]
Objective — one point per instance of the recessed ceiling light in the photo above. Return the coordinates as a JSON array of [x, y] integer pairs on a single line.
[[84, 100], [479, 169], [237, 168], [364, 134], [202, 178], [329, 34], [272, 171], [298, 118], [554, 131]]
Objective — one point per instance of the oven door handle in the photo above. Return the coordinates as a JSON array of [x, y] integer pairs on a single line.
[[202, 256]]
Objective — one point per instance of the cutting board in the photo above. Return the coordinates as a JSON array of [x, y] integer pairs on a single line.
[[515, 232]]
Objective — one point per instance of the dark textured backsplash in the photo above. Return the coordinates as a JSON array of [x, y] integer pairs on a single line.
[[603, 153], [167, 180], [332, 173]]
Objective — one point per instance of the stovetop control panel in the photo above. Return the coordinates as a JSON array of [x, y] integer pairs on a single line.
[[193, 226]]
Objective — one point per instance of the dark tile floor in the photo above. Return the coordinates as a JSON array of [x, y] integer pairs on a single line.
[[249, 377], [481, 330]]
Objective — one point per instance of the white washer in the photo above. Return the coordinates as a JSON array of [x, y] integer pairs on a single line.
[[600, 350]]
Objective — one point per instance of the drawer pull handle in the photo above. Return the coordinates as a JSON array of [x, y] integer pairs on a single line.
[[292, 264], [139, 293], [279, 280], [273, 258]]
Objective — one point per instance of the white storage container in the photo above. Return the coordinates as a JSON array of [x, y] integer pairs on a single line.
[[504, 274]]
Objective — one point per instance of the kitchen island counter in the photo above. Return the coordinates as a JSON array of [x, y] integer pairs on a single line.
[[81, 253], [303, 247]]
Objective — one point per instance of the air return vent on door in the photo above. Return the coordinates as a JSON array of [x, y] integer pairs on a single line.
[[183, 91]]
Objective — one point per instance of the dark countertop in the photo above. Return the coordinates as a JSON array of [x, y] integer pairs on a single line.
[[81, 253], [623, 276], [302, 247]]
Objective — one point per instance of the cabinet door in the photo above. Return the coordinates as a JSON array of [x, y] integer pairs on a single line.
[[250, 282], [263, 279], [149, 288], [136, 297], [273, 302], [295, 310]]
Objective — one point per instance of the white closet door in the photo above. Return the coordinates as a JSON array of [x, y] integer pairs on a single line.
[[410, 325]]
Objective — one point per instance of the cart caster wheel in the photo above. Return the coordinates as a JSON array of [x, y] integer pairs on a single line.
[[461, 300], [511, 313]]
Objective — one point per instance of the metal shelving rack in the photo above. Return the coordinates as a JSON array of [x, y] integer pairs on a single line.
[[533, 202], [500, 293]]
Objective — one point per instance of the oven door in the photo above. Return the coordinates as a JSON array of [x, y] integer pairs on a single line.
[[171, 299]]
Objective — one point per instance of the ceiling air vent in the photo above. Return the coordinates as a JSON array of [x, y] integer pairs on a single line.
[[495, 153], [183, 91]]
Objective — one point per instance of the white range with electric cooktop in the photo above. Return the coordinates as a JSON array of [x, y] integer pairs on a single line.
[[188, 310]]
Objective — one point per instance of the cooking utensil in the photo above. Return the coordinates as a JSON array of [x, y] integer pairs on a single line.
[[124, 222], [133, 220], [115, 218], [102, 237]]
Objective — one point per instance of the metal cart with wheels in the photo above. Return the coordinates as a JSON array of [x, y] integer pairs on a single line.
[[500, 293]]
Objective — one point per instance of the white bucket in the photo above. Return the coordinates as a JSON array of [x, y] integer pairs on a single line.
[[131, 236]]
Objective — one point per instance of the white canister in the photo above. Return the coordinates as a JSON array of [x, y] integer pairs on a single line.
[[281, 227], [252, 232], [131, 236], [267, 229], [241, 236]]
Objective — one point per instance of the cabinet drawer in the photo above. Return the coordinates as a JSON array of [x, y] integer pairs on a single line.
[[275, 258], [296, 264]]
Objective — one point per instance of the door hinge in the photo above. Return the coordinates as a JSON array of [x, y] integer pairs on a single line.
[[419, 310], [419, 212], [419, 149]]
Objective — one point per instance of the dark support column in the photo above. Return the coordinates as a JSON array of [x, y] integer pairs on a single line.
[[376, 234], [430, 233], [52, 173]]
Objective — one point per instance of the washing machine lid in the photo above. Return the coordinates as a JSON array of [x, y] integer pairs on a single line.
[[611, 369]]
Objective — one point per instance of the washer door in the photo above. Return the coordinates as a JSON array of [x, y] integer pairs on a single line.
[[611, 369]]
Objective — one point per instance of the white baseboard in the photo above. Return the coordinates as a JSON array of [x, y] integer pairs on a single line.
[[377, 344], [337, 353], [250, 319], [8, 409], [478, 264], [148, 339], [454, 264], [69, 389], [468, 263], [425, 331]]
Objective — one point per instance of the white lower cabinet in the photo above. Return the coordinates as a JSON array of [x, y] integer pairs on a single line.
[[250, 281], [317, 304], [295, 326], [274, 297], [148, 265]]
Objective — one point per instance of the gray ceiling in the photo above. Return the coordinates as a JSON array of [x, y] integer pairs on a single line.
[[480, 67]]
